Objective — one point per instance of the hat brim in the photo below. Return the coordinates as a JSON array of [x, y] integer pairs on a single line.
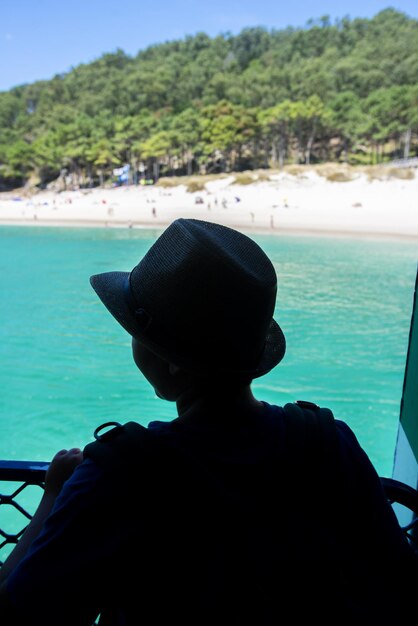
[[112, 287]]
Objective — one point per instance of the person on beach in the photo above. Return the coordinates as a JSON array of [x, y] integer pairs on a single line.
[[218, 516]]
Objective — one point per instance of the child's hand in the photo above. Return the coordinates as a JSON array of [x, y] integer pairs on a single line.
[[61, 468]]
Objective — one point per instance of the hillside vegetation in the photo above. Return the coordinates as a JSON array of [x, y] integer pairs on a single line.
[[344, 91]]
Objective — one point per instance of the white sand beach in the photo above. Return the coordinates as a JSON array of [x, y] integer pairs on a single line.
[[286, 203]]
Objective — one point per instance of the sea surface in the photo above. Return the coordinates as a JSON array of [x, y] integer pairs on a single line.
[[65, 365]]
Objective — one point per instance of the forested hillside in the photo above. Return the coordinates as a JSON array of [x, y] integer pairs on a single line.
[[345, 91]]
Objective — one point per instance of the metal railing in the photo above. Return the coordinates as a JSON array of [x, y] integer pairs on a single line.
[[399, 493], [18, 477]]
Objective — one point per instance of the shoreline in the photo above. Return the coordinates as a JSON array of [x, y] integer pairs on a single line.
[[287, 204], [274, 232]]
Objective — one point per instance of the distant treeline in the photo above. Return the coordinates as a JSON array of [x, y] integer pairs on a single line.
[[346, 91]]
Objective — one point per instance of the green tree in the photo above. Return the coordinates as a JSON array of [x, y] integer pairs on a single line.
[[225, 130], [276, 125], [309, 119], [187, 128], [156, 150], [347, 118], [102, 155]]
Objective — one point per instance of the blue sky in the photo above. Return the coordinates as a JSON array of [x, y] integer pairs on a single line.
[[41, 38]]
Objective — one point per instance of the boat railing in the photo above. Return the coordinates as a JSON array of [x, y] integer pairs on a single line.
[[17, 477], [400, 494]]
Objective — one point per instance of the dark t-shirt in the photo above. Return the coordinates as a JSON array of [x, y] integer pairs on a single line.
[[217, 535]]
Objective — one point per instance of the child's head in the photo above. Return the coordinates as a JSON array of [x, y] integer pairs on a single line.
[[202, 299]]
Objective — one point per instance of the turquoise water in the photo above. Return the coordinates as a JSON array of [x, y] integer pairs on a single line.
[[65, 367]]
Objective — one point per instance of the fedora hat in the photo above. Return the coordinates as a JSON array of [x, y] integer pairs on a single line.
[[202, 298]]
